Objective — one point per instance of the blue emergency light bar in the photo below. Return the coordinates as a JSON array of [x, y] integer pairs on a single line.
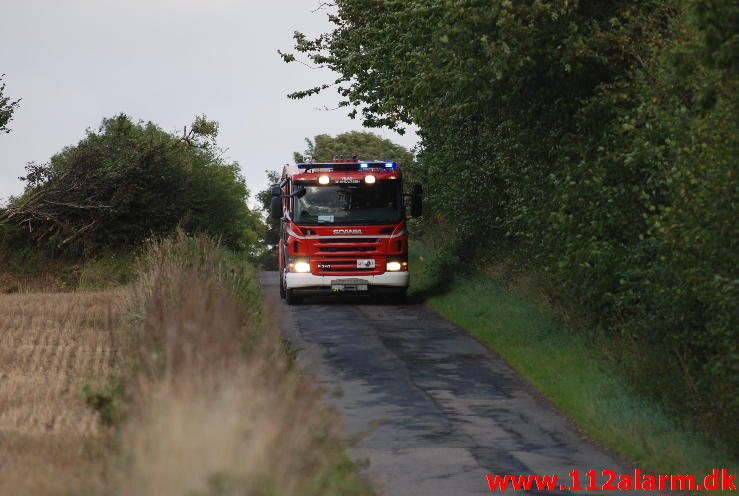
[[348, 165]]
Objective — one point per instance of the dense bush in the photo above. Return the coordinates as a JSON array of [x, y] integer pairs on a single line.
[[128, 181], [599, 137]]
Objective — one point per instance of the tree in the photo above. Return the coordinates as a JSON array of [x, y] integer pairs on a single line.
[[127, 181], [268, 258], [7, 107], [365, 145]]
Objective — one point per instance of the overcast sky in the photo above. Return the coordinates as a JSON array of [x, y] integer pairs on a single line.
[[76, 61]]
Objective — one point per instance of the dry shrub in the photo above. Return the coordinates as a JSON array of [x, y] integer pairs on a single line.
[[240, 428], [217, 409]]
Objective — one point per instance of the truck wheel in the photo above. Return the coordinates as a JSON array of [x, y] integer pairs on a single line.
[[282, 289], [291, 298]]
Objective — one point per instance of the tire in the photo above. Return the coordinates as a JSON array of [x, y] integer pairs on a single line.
[[282, 289], [291, 298]]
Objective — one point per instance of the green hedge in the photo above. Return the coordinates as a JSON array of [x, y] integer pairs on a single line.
[[128, 181]]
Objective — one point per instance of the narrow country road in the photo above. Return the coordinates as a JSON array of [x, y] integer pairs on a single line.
[[435, 410]]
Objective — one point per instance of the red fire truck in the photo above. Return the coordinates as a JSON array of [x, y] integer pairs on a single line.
[[343, 229]]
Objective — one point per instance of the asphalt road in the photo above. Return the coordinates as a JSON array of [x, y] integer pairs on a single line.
[[434, 410]]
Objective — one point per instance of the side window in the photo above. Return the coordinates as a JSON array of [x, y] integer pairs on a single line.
[[290, 201]]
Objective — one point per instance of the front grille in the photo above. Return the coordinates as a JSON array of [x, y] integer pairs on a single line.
[[334, 268], [348, 240], [347, 248], [348, 245]]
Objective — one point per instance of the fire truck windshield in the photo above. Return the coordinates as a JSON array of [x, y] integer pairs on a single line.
[[355, 203]]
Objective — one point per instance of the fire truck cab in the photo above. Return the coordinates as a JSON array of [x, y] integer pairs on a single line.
[[343, 229]]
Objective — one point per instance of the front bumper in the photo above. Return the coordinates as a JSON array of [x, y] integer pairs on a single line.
[[397, 280]]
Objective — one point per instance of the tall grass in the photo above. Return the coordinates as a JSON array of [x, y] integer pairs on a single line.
[[189, 317], [215, 407]]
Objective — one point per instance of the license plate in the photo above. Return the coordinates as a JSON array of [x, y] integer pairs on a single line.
[[349, 285], [366, 263]]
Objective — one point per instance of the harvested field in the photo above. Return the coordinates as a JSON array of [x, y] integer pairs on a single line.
[[212, 404], [51, 344]]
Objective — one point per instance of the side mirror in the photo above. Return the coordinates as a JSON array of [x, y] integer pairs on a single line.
[[276, 190], [417, 201], [275, 210]]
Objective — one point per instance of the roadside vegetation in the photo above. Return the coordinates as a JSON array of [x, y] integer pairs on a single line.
[[594, 143], [126, 182], [138, 356], [508, 308], [85, 213], [215, 407], [177, 383]]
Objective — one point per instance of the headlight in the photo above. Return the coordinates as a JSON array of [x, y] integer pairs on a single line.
[[369, 179], [393, 266], [323, 180], [302, 267]]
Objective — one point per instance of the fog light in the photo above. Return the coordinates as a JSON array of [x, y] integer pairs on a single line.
[[369, 179], [323, 180], [393, 266], [302, 267]]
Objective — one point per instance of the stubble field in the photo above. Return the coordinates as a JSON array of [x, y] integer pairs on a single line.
[[176, 384], [51, 346]]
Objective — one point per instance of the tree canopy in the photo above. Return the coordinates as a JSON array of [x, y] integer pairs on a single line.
[[7, 107], [365, 145], [128, 181]]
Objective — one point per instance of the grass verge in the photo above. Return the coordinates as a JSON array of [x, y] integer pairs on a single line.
[[215, 408], [571, 371]]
